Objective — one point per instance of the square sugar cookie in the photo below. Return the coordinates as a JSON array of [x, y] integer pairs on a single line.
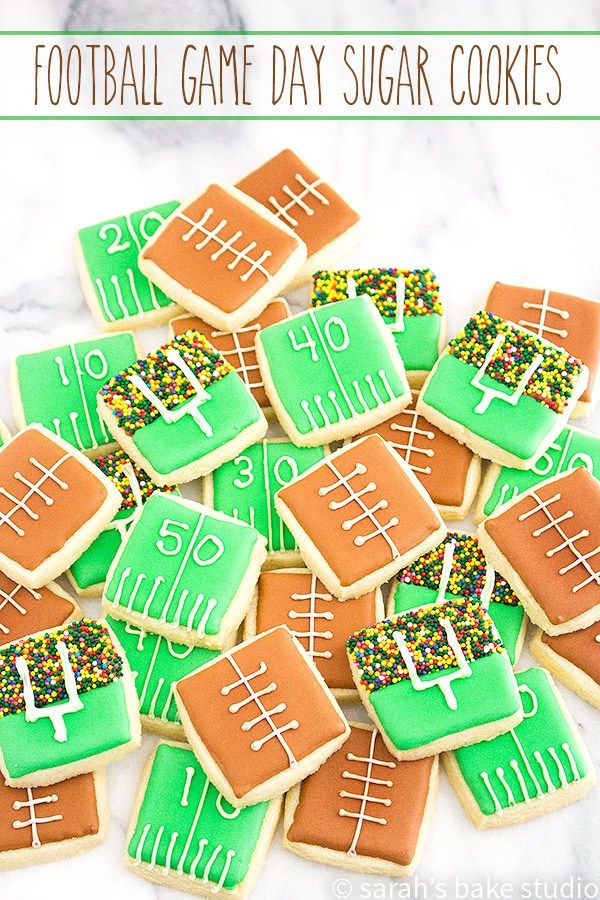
[[569, 322], [185, 571], [546, 543], [42, 825], [245, 488], [53, 503], [457, 569], [88, 573], [25, 611], [67, 704], [181, 411], [448, 470], [332, 372], [321, 622], [260, 717], [537, 767], [223, 256], [572, 658], [363, 809], [408, 301], [116, 292], [502, 391], [359, 516], [57, 388], [238, 347], [306, 203], [435, 678], [185, 835]]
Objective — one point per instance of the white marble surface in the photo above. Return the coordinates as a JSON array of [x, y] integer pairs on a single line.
[[475, 201]]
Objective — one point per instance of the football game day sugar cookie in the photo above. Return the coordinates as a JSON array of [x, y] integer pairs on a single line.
[[260, 717], [25, 611], [116, 292], [569, 322], [573, 659], [306, 203], [537, 767], [321, 622], [502, 391], [245, 488], [40, 825], [53, 503], [57, 388], [88, 573], [181, 411], [546, 543], [237, 347], [359, 516], [455, 569], [185, 835], [408, 301], [363, 809], [67, 704], [332, 372], [435, 678], [223, 256], [571, 448], [448, 471], [185, 571]]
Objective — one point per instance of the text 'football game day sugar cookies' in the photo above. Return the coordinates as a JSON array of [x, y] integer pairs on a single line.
[[359, 516], [58, 388], [67, 704], [185, 835], [332, 372], [181, 411], [237, 347], [308, 204], [408, 301], [25, 611], [457, 569], [117, 293], [320, 621], [222, 256], [435, 678], [260, 718], [573, 659], [53, 503], [363, 809], [569, 322], [185, 571], [546, 543], [537, 767], [502, 391]]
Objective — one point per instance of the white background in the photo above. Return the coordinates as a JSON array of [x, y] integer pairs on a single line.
[[474, 201]]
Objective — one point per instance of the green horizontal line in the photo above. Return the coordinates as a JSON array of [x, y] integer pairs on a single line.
[[293, 33], [301, 118]]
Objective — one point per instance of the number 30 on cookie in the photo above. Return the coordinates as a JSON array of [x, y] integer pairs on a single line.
[[206, 551]]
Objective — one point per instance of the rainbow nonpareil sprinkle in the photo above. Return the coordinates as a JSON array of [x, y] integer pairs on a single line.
[[112, 465], [421, 289]]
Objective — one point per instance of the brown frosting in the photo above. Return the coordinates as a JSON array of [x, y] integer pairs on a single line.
[[238, 346], [38, 538], [534, 557], [24, 611], [582, 648], [278, 661], [212, 279], [321, 817], [375, 464], [73, 800], [322, 624], [273, 184], [440, 463], [579, 333]]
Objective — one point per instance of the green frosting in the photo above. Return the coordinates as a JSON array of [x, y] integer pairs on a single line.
[[157, 664], [541, 755], [418, 343], [245, 487], [184, 824], [110, 250], [571, 448], [181, 565], [321, 369], [92, 566], [58, 387]]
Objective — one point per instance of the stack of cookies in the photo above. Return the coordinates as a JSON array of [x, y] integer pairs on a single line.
[[237, 620]]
